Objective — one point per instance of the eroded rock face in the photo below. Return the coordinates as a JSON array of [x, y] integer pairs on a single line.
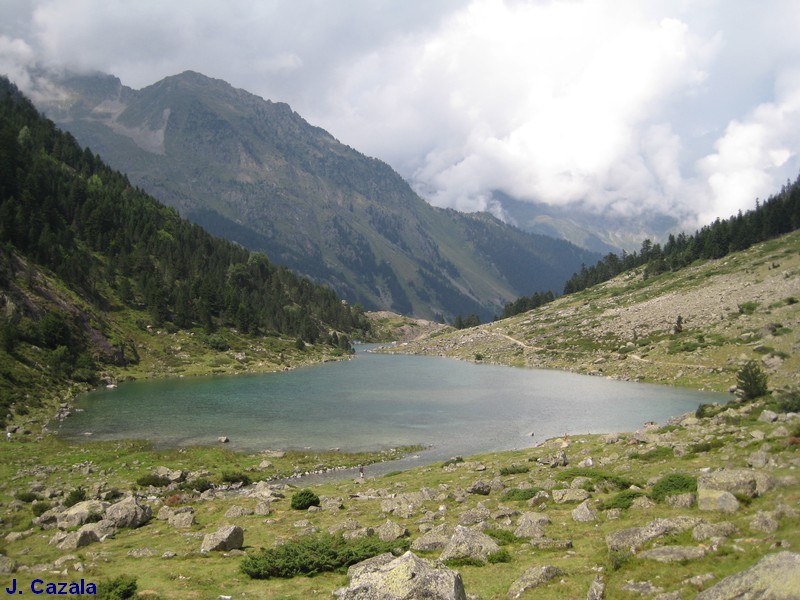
[[79, 513], [776, 577], [405, 578]]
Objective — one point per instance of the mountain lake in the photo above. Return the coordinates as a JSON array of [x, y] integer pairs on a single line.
[[377, 401]]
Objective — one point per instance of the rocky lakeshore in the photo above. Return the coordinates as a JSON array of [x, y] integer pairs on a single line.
[[706, 506]]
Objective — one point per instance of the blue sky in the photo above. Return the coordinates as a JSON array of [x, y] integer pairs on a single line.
[[684, 107]]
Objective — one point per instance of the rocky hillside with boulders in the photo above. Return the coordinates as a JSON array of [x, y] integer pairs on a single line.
[[694, 327], [705, 506]]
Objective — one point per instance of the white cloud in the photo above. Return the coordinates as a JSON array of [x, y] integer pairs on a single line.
[[688, 108]]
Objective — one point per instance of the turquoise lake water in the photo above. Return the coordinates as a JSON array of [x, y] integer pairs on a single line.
[[377, 401]]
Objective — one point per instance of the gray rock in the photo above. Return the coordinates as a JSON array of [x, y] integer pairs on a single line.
[[78, 514], [238, 511], [390, 531], [182, 518], [435, 539], [633, 538], [129, 512], [405, 578], [7, 565], [670, 554], [765, 522], [584, 513], [531, 525], [474, 516], [597, 591], [717, 500], [480, 487], [774, 577], [104, 529], [226, 538], [174, 475], [263, 508], [78, 539], [706, 531], [533, 577], [768, 416], [735, 481], [164, 513], [682, 501], [467, 543], [570, 495], [643, 588]]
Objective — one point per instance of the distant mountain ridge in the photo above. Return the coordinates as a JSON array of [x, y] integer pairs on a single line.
[[257, 173]]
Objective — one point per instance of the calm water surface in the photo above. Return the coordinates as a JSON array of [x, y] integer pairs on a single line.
[[377, 401]]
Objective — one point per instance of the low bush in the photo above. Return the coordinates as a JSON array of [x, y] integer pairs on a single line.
[[27, 497], [514, 470], [313, 554], [304, 499], [598, 477], [120, 588], [622, 500], [501, 556], [701, 447], [200, 485], [517, 495], [151, 479], [660, 453], [502, 536], [232, 477], [672, 484], [452, 461], [41, 507], [75, 496], [789, 400]]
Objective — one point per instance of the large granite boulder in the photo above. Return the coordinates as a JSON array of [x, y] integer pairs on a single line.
[[405, 578], [77, 514], [774, 577], [223, 539], [129, 512], [468, 543], [389, 531], [531, 524], [633, 538]]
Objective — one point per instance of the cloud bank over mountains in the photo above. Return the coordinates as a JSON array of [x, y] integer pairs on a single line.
[[690, 108]]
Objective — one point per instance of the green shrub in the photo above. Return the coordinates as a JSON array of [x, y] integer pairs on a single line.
[[27, 497], [517, 495], [501, 556], [235, 477], [623, 500], [502, 536], [789, 399], [41, 507], [217, 343], [75, 496], [313, 554], [467, 561], [514, 470], [200, 485], [303, 499], [752, 380], [151, 479], [597, 477], [674, 483], [701, 447], [660, 453], [120, 588], [748, 308]]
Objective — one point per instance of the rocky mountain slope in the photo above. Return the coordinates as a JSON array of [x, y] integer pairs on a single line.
[[744, 306], [255, 172]]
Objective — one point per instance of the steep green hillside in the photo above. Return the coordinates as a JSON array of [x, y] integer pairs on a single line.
[[255, 172], [693, 327], [97, 276]]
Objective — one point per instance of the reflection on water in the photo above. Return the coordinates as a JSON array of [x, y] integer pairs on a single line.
[[378, 401]]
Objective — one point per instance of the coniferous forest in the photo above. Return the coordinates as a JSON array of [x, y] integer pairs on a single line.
[[778, 215], [64, 213]]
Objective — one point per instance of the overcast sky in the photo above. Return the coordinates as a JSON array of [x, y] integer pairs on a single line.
[[689, 107]]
